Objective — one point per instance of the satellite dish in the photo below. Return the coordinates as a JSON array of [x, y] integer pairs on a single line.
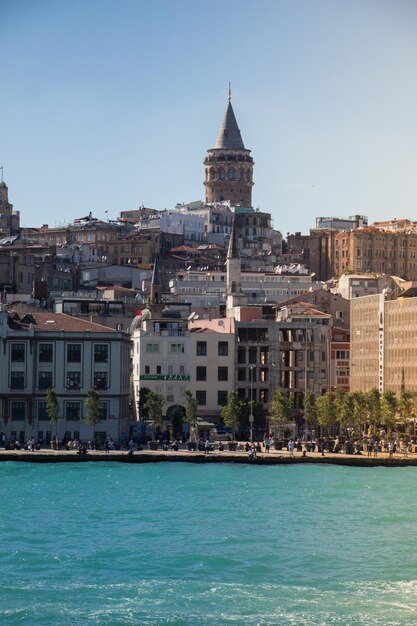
[[206, 316], [191, 316], [195, 317], [220, 323]]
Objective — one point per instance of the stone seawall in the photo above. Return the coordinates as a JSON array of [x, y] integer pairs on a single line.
[[198, 457]]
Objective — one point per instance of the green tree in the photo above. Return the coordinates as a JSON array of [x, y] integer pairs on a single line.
[[326, 412], [258, 414], [154, 406], [177, 421], [231, 413], [93, 410], [373, 405], [281, 407], [52, 408], [310, 410], [191, 408], [143, 394], [360, 411], [343, 403], [389, 406]]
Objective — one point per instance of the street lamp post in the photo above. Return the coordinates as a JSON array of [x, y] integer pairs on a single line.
[[251, 402]]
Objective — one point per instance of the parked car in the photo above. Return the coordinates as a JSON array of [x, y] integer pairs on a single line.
[[223, 435]]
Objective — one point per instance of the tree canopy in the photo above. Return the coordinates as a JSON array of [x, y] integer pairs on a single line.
[[52, 407], [154, 405], [93, 409]]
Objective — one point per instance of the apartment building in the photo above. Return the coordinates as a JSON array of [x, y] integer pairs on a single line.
[[44, 350]]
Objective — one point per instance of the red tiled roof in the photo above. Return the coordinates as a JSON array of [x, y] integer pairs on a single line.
[[53, 322]]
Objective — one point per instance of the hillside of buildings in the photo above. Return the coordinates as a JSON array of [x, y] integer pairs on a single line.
[[207, 298]]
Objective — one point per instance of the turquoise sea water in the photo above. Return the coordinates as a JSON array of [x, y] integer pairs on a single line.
[[191, 545]]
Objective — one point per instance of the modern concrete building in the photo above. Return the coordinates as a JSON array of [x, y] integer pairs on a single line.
[[383, 353]]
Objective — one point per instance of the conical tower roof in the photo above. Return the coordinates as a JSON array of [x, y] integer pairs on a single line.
[[229, 137], [156, 274], [233, 248]]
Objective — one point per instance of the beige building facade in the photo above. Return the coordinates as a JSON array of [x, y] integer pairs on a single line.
[[383, 344]]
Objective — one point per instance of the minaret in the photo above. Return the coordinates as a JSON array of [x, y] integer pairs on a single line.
[[155, 303], [229, 166], [234, 295]]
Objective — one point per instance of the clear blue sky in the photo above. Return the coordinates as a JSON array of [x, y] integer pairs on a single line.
[[109, 104]]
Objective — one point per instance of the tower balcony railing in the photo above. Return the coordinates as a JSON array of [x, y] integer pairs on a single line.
[[228, 157]]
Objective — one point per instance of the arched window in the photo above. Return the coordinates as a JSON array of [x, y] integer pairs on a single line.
[[230, 173], [240, 174], [221, 173], [212, 173]]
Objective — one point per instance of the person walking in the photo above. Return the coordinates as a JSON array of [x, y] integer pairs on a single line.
[[291, 447]]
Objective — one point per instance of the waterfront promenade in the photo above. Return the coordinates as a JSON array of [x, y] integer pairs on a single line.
[[274, 457]]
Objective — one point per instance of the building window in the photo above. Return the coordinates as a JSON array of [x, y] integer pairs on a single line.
[[73, 380], [45, 380], [201, 373], [17, 380], [152, 347], [201, 398], [223, 348], [201, 348], [147, 369], [342, 354], [158, 369], [177, 347], [45, 353], [18, 410], [222, 398], [42, 412], [222, 373], [101, 353], [73, 411], [104, 410], [18, 352], [74, 353], [100, 380], [170, 394]]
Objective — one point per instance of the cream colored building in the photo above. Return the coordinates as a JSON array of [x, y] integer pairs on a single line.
[[212, 365], [383, 344]]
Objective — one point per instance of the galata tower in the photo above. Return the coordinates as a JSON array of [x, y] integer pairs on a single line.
[[229, 166]]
